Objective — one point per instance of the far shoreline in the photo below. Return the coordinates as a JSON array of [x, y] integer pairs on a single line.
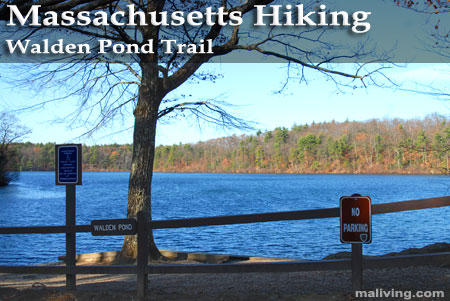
[[258, 173]]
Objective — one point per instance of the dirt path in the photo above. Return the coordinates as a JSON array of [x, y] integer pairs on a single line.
[[324, 285], [328, 285]]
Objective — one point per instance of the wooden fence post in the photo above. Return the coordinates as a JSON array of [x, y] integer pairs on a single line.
[[142, 254], [356, 267], [71, 280]]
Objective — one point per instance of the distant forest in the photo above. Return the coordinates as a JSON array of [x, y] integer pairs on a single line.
[[374, 146]]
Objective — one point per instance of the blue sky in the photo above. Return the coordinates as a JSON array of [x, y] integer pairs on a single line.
[[252, 90]]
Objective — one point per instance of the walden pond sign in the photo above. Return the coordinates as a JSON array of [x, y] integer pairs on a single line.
[[114, 227]]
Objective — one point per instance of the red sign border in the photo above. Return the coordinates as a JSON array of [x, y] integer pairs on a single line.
[[370, 218]]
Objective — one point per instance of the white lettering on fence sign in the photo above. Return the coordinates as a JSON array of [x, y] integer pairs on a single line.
[[356, 228], [355, 211], [113, 227], [109, 227]]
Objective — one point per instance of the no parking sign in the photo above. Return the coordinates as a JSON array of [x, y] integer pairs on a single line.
[[356, 219]]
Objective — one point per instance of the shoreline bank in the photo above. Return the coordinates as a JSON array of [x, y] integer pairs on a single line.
[[112, 257]]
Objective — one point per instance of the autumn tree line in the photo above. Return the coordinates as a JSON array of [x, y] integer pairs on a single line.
[[41, 157], [374, 146]]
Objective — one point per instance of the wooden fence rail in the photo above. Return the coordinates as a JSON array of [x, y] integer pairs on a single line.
[[46, 229], [296, 215], [245, 218], [142, 268]]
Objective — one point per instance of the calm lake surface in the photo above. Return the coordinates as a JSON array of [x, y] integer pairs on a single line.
[[33, 199]]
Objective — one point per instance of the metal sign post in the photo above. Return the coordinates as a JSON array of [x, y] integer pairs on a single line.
[[68, 171]]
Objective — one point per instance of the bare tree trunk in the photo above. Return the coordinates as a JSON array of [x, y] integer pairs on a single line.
[[139, 189]]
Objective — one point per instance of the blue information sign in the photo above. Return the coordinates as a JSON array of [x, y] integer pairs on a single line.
[[68, 165]]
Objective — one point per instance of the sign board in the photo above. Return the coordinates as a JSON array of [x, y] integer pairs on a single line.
[[113, 227], [68, 164], [356, 219]]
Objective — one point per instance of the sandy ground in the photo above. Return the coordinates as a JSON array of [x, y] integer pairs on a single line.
[[251, 286], [327, 285]]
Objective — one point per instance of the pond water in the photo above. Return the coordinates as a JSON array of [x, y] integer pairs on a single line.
[[33, 199]]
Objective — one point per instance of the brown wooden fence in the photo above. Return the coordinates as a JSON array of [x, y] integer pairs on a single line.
[[143, 268]]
